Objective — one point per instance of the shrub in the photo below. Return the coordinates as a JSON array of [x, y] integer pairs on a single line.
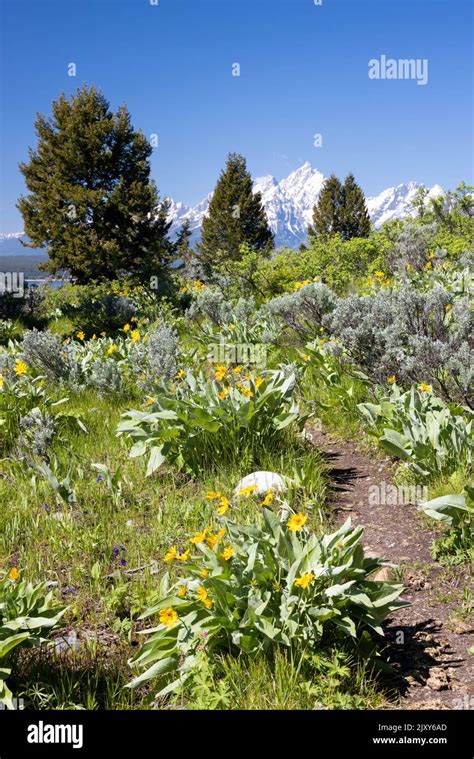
[[303, 311], [418, 428], [419, 336], [261, 588], [44, 352], [28, 614], [204, 423]]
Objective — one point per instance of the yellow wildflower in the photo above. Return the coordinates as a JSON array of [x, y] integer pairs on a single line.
[[183, 556], [224, 505], [448, 307], [428, 265], [204, 573], [379, 274], [213, 495], [424, 387], [247, 392], [304, 580], [220, 373], [181, 591], [126, 327], [94, 336], [180, 374], [306, 358], [199, 537], [111, 349], [236, 369], [227, 553], [258, 381], [149, 402], [1, 381], [247, 491], [13, 574], [80, 335], [168, 617], [392, 379], [224, 393], [20, 368], [296, 522], [171, 554], [135, 335], [268, 498], [203, 596]]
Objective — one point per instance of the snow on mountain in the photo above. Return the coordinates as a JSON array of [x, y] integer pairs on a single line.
[[395, 202], [288, 205]]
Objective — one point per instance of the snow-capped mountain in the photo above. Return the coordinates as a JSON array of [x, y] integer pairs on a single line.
[[289, 205], [395, 202]]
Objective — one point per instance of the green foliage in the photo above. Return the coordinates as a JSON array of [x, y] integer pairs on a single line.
[[417, 427], [91, 200], [340, 210], [28, 614], [204, 423], [235, 216], [457, 513], [270, 588]]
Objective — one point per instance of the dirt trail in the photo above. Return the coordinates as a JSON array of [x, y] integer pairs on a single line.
[[435, 669]]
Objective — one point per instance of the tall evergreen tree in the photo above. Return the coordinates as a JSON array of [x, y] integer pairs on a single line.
[[91, 201], [327, 213], [340, 209], [355, 217], [183, 249], [235, 216]]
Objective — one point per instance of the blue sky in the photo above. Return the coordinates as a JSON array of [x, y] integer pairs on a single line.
[[304, 70]]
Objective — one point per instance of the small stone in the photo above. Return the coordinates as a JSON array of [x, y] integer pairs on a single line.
[[384, 574]]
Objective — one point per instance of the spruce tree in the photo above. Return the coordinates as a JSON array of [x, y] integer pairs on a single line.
[[355, 217], [340, 210], [91, 201], [327, 213], [182, 247], [235, 216]]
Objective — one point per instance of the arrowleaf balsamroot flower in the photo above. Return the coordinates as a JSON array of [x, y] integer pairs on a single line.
[[392, 379], [20, 368], [171, 554], [203, 596], [214, 495], [168, 617], [247, 491], [424, 387], [268, 498], [13, 574], [296, 522], [227, 553], [224, 505], [199, 537], [304, 580]]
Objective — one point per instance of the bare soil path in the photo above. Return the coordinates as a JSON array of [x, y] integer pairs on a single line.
[[429, 639]]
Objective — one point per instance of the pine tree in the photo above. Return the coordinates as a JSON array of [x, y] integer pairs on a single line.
[[183, 249], [340, 210], [91, 201], [355, 217], [235, 216], [327, 213]]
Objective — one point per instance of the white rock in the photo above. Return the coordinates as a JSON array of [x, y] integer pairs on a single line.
[[264, 482]]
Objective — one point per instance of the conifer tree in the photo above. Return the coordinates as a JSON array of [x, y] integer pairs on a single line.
[[327, 213], [355, 217], [183, 249], [91, 200], [340, 209], [235, 216]]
